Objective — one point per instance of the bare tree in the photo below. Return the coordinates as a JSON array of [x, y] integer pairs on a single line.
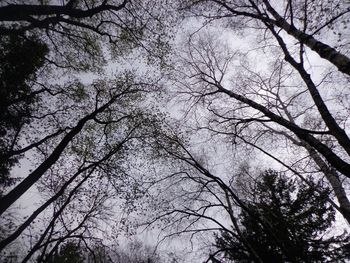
[[280, 100], [301, 19]]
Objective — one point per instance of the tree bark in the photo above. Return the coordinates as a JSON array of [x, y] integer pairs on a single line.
[[24, 12], [334, 180], [341, 61]]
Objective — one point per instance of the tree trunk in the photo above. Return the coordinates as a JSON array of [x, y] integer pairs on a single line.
[[341, 61], [33, 177], [333, 179]]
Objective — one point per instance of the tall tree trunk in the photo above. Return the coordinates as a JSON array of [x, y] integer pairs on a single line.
[[333, 178], [330, 173], [341, 61]]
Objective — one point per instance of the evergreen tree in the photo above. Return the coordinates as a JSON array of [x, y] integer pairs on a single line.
[[20, 58], [68, 253], [287, 222]]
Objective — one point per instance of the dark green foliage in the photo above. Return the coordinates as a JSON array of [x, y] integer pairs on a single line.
[[287, 222], [20, 60], [68, 253]]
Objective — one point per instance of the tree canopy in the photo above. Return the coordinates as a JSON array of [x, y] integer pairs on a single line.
[[118, 116]]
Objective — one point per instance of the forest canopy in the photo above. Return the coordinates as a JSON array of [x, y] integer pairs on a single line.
[[213, 130]]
